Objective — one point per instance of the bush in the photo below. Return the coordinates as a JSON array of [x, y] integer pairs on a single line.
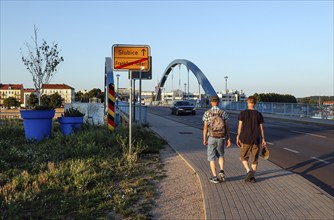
[[73, 112]]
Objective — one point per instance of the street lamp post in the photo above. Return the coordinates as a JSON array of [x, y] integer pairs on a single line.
[[185, 91], [226, 77], [117, 84]]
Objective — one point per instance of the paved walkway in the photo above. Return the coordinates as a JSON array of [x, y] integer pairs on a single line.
[[278, 194]]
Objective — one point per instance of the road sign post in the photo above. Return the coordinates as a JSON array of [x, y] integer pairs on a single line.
[[131, 58]]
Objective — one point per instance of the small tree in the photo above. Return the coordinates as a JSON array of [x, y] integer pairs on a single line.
[[32, 100], [41, 62], [11, 102], [45, 100], [55, 100]]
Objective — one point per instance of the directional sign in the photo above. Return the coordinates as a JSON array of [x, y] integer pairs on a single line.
[[131, 57], [144, 74]]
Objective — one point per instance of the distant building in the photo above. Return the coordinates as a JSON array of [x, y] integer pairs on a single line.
[[233, 96], [66, 92], [330, 103], [11, 90]]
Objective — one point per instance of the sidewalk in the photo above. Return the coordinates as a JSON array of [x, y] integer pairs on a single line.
[[278, 194]]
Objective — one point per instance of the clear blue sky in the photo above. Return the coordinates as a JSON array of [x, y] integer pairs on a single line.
[[284, 47]]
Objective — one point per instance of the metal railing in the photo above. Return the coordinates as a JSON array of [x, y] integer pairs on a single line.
[[287, 109], [123, 107]]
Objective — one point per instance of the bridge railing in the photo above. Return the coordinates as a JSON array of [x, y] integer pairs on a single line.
[[287, 109], [123, 107]]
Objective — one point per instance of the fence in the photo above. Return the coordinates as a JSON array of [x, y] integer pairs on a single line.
[[287, 109]]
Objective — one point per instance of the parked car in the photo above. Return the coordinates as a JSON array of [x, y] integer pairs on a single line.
[[183, 107]]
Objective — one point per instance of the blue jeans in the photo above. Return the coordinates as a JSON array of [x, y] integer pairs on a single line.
[[215, 148]]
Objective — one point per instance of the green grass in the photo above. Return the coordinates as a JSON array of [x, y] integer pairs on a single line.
[[89, 175]]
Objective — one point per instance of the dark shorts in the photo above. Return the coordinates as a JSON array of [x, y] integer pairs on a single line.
[[250, 149], [215, 148]]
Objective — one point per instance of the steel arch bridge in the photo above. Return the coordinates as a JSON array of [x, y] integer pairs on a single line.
[[201, 78]]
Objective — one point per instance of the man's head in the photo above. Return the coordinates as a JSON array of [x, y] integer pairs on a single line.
[[214, 100], [251, 101]]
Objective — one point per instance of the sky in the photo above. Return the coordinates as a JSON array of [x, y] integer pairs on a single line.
[[283, 47]]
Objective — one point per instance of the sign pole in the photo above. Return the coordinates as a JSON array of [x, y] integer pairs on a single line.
[[140, 95], [130, 113], [134, 100]]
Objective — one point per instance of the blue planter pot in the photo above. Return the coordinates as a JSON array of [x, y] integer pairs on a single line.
[[68, 124], [37, 123]]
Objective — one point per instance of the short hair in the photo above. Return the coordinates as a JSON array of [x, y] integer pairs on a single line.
[[214, 98], [251, 99]]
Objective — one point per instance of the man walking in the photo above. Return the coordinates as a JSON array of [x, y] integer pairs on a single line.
[[250, 129], [216, 134]]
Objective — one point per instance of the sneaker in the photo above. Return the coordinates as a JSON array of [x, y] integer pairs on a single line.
[[249, 176], [214, 179], [222, 175], [252, 180]]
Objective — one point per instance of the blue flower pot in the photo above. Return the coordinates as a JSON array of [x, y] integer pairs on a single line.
[[37, 123], [68, 124]]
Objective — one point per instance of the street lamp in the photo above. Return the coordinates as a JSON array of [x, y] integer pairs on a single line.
[[185, 90], [117, 83], [226, 77]]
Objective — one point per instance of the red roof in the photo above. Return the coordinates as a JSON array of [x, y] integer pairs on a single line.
[[56, 86], [29, 90], [328, 103], [11, 86]]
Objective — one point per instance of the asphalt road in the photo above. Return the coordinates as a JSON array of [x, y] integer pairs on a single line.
[[303, 148]]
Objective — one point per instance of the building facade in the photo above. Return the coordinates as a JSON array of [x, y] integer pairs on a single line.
[[66, 92], [11, 90], [233, 96]]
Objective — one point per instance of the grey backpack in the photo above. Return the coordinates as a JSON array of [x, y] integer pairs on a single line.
[[217, 124]]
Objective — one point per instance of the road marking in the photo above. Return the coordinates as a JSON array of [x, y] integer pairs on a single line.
[[269, 143], [294, 151], [315, 135], [321, 160], [232, 132]]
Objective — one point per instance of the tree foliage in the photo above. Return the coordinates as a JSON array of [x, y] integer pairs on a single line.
[[315, 99], [41, 61], [32, 100], [94, 93], [54, 100], [273, 97], [11, 102], [45, 100]]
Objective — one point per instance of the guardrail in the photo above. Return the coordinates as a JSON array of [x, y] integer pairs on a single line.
[[287, 109]]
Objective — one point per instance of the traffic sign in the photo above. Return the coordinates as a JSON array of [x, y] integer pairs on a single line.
[[144, 74], [131, 57]]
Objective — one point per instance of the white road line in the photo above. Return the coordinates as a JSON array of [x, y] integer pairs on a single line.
[[321, 160], [294, 151], [315, 135], [232, 132], [269, 143]]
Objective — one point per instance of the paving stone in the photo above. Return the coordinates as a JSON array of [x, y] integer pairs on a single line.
[[277, 194]]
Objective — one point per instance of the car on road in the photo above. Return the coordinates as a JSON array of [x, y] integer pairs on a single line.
[[182, 107]]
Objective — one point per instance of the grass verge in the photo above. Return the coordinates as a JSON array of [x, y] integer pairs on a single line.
[[89, 175]]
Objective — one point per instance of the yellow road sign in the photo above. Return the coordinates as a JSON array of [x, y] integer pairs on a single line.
[[131, 57]]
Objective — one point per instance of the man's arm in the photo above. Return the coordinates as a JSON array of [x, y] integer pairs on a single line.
[[205, 132], [238, 135], [264, 144]]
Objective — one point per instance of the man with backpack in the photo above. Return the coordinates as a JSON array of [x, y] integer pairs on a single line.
[[216, 133], [250, 130]]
